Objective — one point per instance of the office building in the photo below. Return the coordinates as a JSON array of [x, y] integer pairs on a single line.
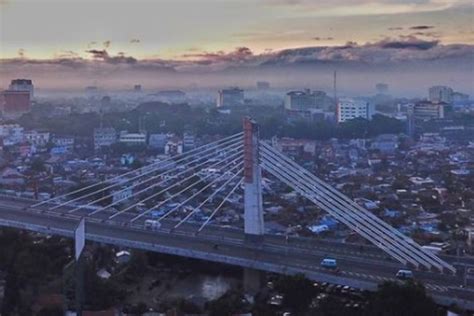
[[132, 138], [304, 100], [426, 110], [230, 97], [441, 94], [22, 85], [348, 109], [104, 137], [15, 103], [188, 141], [37, 138]]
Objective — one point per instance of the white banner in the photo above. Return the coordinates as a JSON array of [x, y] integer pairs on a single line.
[[80, 238]]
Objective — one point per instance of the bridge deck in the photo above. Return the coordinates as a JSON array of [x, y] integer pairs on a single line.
[[362, 269]]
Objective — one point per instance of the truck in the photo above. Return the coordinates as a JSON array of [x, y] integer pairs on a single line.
[[151, 224]]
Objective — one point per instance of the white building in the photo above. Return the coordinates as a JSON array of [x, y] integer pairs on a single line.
[[348, 109], [132, 138], [230, 97], [441, 94], [12, 134], [104, 137], [188, 141], [63, 144], [37, 138]]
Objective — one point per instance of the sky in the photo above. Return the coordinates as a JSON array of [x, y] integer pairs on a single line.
[[70, 43]]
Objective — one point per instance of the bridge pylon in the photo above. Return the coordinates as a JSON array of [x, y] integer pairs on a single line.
[[253, 206]]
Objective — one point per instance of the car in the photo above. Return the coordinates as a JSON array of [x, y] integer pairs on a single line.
[[329, 263], [404, 274]]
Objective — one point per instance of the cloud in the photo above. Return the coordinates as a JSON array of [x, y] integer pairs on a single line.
[[407, 42], [390, 56], [317, 38], [421, 27], [21, 53], [426, 34], [134, 41], [103, 55], [239, 55]]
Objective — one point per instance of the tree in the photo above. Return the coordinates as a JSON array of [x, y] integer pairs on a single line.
[[297, 292], [408, 299], [228, 304], [37, 165]]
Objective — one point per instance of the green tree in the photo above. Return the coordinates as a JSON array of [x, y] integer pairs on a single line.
[[297, 292], [408, 299]]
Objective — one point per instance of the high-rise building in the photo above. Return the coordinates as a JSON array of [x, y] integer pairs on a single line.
[[22, 85], [230, 97], [441, 94], [348, 109], [426, 110], [15, 103], [304, 100]]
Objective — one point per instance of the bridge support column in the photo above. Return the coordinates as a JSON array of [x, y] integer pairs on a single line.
[[253, 208], [253, 280]]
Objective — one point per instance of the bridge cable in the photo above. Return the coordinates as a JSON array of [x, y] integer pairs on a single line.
[[138, 170], [174, 185], [208, 198], [221, 204], [362, 212], [184, 190], [228, 148]]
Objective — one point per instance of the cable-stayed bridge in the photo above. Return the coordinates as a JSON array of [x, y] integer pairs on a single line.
[[176, 205]]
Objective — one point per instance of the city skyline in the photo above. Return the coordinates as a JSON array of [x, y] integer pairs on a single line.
[[238, 42]]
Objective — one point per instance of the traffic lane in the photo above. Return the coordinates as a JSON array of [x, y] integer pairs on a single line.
[[353, 263], [308, 260]]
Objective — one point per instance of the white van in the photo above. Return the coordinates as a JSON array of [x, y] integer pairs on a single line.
[[404, 274], [329, 263]]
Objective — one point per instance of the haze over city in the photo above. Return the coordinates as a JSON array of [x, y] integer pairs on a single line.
[[177, 44], [236, 157]]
